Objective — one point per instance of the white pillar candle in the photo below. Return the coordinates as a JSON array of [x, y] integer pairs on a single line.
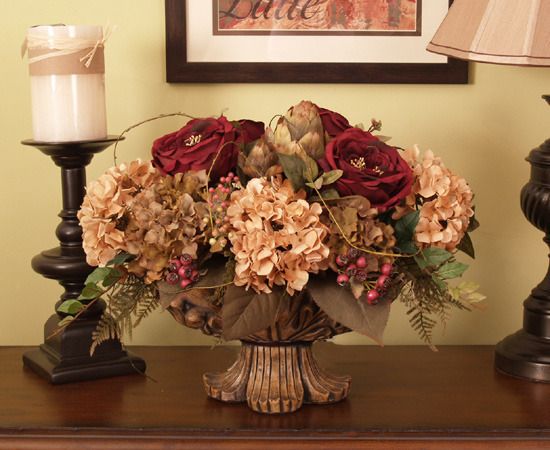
[[67, 72]]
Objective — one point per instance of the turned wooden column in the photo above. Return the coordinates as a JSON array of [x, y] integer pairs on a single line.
[[65, 356]]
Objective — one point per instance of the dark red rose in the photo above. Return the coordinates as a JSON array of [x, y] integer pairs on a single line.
[[201, 142], [333, 122], [371, 168], [251, 131]]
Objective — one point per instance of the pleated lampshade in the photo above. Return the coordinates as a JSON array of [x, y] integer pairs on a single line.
[[515, 32]]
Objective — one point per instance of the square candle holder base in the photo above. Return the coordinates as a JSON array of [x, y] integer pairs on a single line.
[[65, 357]]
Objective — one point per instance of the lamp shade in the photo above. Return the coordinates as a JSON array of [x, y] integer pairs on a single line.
[[515, 32]]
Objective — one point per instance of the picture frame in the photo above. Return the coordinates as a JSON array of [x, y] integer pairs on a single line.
[[180, 69]]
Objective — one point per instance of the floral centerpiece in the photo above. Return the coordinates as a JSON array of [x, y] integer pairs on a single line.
[[279, 237]]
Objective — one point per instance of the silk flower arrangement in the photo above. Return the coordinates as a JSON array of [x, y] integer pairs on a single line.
[[237, 229]]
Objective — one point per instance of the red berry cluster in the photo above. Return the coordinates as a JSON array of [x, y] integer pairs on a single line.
[[381, 284], [182, 270], [218, 199], [353, 267]]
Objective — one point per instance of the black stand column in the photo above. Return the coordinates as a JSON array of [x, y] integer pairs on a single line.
[[64, 356], [526, 354]]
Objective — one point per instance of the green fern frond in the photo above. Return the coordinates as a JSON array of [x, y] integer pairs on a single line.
[[128, 304], [107, 329], [144, 309], [427, 304]]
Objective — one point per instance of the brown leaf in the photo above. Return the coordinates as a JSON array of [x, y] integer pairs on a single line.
[[340, 305], [246, 312]]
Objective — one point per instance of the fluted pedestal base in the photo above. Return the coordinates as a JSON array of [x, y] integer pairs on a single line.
[[276, 379]]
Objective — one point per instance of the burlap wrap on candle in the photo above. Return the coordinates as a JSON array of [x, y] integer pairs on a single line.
[[66, 64]]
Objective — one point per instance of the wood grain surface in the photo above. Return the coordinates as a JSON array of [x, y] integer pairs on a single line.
[[401, 397]]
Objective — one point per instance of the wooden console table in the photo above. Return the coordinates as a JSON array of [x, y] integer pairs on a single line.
[[401, 398]]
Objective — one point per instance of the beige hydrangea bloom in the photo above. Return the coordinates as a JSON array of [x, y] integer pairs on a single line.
[[445, 201], [102, 214], [355, 217], [162, 224], [276, 235]]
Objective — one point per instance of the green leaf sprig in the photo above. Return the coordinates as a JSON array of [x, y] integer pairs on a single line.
[[98, 283]]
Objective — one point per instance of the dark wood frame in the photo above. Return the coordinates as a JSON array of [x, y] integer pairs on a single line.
[[179, 70], [218, 32]]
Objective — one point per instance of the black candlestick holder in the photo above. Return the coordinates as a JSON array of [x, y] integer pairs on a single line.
[[64, 357]]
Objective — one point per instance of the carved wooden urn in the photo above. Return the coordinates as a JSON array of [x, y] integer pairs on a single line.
[[275, 371]]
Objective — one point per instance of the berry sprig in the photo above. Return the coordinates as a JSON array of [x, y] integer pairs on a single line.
[[182, 270], [218, 201], [382, 284], [353, 268]]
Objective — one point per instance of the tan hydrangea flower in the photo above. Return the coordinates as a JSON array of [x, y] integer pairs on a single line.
[[102, 214], [445, 201], [277, 236], [360, 223], [192, 182], [162, 224]]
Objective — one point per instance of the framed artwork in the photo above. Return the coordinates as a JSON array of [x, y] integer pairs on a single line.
[[306, 41]]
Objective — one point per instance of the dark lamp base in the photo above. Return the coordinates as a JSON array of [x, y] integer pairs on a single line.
[[526, 354], [523, 355]]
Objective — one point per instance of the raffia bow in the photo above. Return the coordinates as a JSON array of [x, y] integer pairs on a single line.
[[62, 46]]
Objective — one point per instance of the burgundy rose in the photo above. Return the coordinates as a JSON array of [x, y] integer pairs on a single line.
[[201, 142], [251, 131], [371, 168], [333, 122]]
